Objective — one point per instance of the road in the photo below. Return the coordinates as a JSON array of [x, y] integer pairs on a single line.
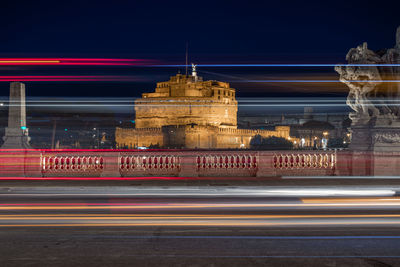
[[246, 226]]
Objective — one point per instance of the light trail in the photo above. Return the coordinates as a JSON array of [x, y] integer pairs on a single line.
[[209, 191], [196, 220], [220, 220], [316, 81], [115, 178], [342, 177], [281, 65], [72, 78], [76, 61], [211, 224], [178, 216], [171, 206], [192, 105], [94, 214], [262, 237]]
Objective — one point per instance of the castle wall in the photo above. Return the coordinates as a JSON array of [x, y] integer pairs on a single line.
[[133, 138], [156, 113], [240, 138], [201, 137], [194, 136]]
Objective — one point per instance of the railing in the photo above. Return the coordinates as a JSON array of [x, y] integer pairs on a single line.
[[226, 161], [64, 164], [234, 164], [304, 160], [142, 164], [132, 163]]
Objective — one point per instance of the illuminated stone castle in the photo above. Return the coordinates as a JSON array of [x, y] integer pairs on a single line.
[[187, 112]]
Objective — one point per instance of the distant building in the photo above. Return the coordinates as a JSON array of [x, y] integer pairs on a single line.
[[313, 134], [187, 112], [312, 130]]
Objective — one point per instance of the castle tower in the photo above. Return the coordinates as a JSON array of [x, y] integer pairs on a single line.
[[187, 100], [16, 134]]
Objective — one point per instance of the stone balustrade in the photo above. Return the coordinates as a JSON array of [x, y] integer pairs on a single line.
[[148, 165], [304, 160], [230, 164], [72, 163], [185, 163]]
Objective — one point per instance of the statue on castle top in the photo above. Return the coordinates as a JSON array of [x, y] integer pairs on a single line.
[[194, 71]]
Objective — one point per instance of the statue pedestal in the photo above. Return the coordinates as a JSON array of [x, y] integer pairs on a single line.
[[375, 150], [361, 139], [16, 138], [386, 138], [379, 138]]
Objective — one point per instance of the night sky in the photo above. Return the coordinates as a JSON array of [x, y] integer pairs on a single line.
[[217, 32]]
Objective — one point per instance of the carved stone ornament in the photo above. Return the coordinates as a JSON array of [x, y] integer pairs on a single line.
[[387, 137]]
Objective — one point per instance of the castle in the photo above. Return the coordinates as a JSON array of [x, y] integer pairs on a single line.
[[187, 112]]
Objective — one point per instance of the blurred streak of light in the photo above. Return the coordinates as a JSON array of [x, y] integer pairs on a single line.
[[315, 81], [347, 200], [241, 101], [247, 193], [259, 105], [193, 105], [113, 178], [342, 177], [302, 100], [172, 206], [282, 65], [230, 223], [97, 216], [76, 61], [67, 78], [318, 237], [130, 78], [222, 75]]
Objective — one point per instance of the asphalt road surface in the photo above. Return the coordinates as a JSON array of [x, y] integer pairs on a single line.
[[188, 227]]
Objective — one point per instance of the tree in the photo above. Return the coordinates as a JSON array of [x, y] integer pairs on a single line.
[[270, 143], [337, 143], [156, 146], [256, 141]]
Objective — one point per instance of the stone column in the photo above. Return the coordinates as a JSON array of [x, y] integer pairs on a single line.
[[111, 164], [266, 164], [16, 134], [188, 164]]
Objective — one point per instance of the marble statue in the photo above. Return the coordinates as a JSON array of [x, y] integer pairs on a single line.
[[371, 77]]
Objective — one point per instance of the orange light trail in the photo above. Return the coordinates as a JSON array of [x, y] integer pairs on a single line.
[[181, 216], [208, 223], [354, 202]]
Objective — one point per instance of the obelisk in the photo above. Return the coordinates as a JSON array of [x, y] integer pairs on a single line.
[[16, 134]]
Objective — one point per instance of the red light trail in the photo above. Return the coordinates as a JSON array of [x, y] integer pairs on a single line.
[[76, 61], [41, 78], [120, 178]]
